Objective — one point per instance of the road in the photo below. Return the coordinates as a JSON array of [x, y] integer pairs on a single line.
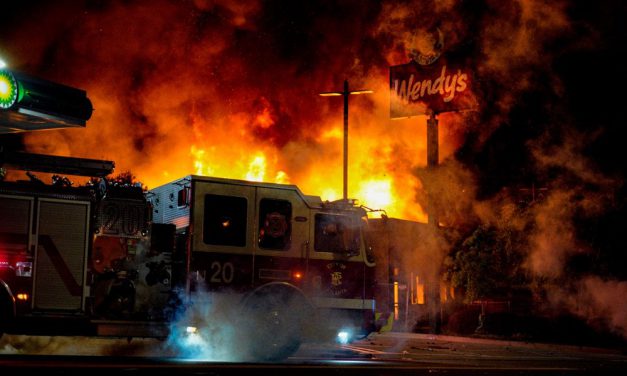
[[379, 354]]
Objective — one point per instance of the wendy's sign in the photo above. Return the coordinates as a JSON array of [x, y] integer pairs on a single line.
[[420, 89], [431, 83]]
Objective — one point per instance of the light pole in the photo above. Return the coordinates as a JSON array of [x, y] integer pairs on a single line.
[[345, 93]]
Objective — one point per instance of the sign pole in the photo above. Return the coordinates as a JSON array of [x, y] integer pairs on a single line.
[[432, 161], [432, 218], [346, 93]]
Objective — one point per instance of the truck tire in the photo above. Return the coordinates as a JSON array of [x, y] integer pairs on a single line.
[[7, 309], [272, 320]]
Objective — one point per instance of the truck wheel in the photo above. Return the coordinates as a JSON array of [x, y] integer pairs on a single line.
[[6, 311], [3, 318], [272, 324]]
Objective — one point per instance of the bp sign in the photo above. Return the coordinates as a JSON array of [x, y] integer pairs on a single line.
[[9, 89], [29, 103]]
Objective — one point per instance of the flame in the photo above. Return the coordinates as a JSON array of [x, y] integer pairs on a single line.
[[234, 105], [256, 168], [377, 193], [200, 166], [281, 177]]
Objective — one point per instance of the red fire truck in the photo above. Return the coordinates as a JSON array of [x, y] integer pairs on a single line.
[[115, 260]]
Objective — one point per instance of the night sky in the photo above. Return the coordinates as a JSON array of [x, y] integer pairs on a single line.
[[176, 80]]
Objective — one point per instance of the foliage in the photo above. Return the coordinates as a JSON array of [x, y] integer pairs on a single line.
[[489, 262], [124, 179]]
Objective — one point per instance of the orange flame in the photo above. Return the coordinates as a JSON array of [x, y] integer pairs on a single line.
[[212, 98]]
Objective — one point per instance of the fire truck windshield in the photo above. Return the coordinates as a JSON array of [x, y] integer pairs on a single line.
[[337, 233]]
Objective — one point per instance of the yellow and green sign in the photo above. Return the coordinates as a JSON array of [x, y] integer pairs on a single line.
[[9, 89]]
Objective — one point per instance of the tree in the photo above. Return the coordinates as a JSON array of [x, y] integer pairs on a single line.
[[489, 262]]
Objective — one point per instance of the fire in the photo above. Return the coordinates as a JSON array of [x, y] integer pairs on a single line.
[[257, 168], [377, 193], [325, 177], [199, 165], [233, 106], [281, 178]]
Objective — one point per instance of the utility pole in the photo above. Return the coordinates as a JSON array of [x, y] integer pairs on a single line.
[[345, 93]]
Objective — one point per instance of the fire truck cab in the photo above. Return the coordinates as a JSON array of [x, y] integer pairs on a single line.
[[297, 265]]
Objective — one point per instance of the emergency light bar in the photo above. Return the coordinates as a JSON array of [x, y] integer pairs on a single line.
[[28, 103]]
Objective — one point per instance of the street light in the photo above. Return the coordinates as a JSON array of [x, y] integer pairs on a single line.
[[345, 93]]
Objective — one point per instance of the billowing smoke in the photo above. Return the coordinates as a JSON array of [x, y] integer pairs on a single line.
[[596, 299], [530, 57], [565, 248], [213, 338]]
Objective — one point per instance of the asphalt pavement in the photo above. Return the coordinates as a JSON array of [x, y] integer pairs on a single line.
[[391, 353]]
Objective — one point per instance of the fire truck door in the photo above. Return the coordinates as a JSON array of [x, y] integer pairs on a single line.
[[223, 220], [60, 260], [282, 232]]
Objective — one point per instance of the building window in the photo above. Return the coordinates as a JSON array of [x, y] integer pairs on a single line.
[[337, 233], [225, 220], [275, 224], [417, 286]]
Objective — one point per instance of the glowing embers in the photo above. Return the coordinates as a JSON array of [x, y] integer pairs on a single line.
[[9, 89]]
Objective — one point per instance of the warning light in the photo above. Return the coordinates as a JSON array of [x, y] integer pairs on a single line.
[[344, 337], [22, 296], [191, 330], [297, 275], [9, 89]]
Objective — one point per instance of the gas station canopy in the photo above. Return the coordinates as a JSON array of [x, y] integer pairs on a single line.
[[29, 104]]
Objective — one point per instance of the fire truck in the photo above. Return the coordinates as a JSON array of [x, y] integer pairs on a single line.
[[111, 259], [117, 260]]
